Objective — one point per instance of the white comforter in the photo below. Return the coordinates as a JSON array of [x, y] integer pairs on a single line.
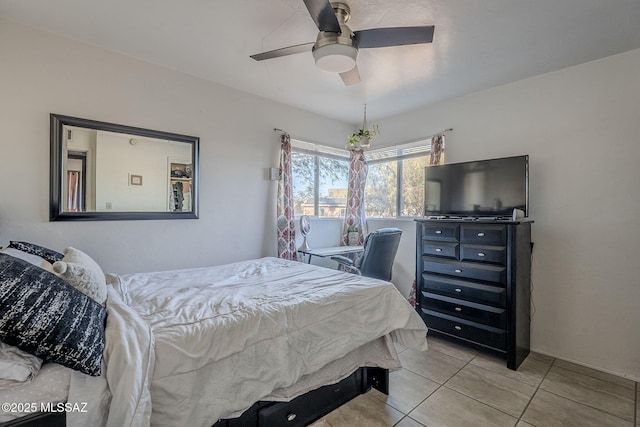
[[191, 346]]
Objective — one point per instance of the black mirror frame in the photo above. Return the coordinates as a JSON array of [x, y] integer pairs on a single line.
[[56, 213]]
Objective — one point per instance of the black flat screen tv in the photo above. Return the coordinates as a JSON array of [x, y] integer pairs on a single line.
[[482, 188]]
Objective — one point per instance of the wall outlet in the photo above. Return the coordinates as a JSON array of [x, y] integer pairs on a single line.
[[109, 205]]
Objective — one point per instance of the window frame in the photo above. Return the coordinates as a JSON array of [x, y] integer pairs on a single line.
[[318, 151], [399, 153]]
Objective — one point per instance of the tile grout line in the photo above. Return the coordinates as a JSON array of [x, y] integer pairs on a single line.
[[443, 384], [538, 387], [587, 405], [406, 415], [439, 385], [524, 411], [583, 403], [519, 418], [588, 373], [410, 410]]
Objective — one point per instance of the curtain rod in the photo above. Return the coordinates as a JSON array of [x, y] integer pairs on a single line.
[[443, 131]]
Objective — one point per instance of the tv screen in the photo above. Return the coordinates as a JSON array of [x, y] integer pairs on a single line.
[[483, 188]]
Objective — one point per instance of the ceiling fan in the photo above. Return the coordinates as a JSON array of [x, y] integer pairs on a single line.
[[336, 47]]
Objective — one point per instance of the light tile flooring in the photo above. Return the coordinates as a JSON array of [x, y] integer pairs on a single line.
[[454, 386]]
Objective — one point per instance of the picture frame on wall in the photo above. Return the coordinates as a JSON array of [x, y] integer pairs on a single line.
[[135, 179]]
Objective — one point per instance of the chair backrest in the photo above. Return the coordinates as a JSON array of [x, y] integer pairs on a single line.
[[380, 248]]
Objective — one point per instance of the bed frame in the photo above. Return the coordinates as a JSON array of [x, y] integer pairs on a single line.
[[38, 419], [299, 412]]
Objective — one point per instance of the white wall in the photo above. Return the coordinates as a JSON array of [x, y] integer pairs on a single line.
[[581, 128], [42, 74]]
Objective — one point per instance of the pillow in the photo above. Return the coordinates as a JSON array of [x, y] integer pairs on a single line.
[[17, 367], [30, 258], [83, 273], [30, 248], [42, 314]]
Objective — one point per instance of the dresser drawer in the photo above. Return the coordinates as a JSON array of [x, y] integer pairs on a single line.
[[484, 335], [487, 315], [491, 254], [441, 249], [304, 409], [484, 234], [442, 232], [470, 291], [487, 273]]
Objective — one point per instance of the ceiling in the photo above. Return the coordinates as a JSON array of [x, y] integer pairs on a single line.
[[477, 44]]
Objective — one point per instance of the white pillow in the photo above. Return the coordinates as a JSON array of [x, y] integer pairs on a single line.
[[30, 258], [17, 367], [83, 273]]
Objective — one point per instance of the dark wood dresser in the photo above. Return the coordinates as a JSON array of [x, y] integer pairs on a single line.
[[473, 282]]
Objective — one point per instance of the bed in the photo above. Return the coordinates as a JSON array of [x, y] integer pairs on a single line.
[[232, 344]]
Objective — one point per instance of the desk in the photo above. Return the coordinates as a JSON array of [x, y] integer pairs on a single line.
[[328, 252]]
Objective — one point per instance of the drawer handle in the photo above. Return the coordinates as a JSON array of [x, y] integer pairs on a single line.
[[438, 250], [481, 254], [458, 328], [481, 234], [458, 290], [457, 309], [457, 270], [292, 416], [438, 231]]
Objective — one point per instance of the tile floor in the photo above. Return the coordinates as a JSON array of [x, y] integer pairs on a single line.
[[454, 386]]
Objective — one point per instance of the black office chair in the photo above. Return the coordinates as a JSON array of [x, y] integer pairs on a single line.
[[380, 248]]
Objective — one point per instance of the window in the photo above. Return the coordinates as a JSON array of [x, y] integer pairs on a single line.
[[380, 191], [320, 179], [412, 185], [395, 183]]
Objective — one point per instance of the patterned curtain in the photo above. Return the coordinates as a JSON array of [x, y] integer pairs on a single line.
[[354, 217], [285, 221], [437, 147]]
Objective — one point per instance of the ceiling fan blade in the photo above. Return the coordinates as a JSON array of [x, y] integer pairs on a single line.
[[351, 77], [395, 36], [323, 15], [284, 51]]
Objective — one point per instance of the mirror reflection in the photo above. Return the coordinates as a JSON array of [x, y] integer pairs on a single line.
[[109, 171]]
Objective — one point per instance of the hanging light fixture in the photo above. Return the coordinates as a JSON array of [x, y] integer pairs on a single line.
[[336, 52], [335, 58]]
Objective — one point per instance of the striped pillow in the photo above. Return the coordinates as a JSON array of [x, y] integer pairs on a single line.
[[42, 314], [31, 248]]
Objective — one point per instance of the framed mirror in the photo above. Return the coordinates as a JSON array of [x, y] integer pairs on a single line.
[[104, 171]]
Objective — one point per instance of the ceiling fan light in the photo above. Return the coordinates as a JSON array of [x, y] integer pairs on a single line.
[[335, 58]]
